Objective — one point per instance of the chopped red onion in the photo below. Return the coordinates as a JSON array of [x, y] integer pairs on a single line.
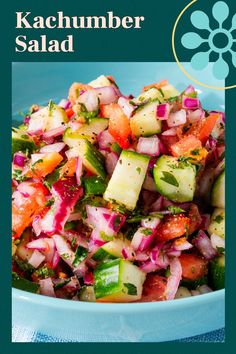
[[149, 146], [90, 100], [174, 279], [57, 147], [141, 256], [46, 287], [163, 111], [195, 292], [39, 244], [88, 278], [19, 159], [217, 241], [181, 246], [149, 184], [142, 239], [206, 218], [105, 140], [203, 244], [110, 162], [36, 224], [190, 102], [158, 204], [53, 133], [149, 266], [64, 103], [36, 132], [127, 108], [189, 90], [81, 269], [204, 289], [26, 120], [36, 259], [79, 170], [128, 253], [104, 220], [169, 132], [106, 94], [196, 115], [74, 217], [150, 222], [55, 260], [64, 249], [176, 119]]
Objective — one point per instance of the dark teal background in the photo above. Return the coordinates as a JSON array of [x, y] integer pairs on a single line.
[[151, 43]]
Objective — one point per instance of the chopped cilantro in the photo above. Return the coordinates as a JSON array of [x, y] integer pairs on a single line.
[[218, 219], [147, 232], [175, 210], [195, 151], [132, 289], [49, 202], [45, 272], [50, 107], [169, 178], [138, 169], [220, 249], [73, 242], [17, 175], [61, 284]]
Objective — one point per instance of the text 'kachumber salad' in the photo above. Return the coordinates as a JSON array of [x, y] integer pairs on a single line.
[[119, 198]]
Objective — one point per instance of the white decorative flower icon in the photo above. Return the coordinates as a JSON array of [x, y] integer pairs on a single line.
[[220, 40]]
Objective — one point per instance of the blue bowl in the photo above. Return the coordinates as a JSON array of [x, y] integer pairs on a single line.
[[97, 322]]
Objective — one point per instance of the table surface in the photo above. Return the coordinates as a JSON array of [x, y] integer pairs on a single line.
[[24, 335]]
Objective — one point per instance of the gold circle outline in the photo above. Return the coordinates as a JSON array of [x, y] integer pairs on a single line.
[[177, 60]]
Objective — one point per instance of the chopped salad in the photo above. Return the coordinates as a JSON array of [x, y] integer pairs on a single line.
[[119, 198]]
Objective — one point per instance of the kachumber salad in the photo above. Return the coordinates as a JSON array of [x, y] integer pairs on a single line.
[[119, 198]]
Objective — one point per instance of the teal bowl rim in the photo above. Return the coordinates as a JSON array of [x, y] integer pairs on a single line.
[[42, 300]]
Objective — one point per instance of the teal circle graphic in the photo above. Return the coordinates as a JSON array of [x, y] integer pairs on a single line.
[[219, 40]]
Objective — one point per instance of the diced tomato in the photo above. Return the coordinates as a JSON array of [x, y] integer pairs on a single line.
[[24, 208], [185, 145], [75, 89], [153, 288], [195, 219], [157, 85], [172, 227], [207, 127], [68, 170], [48, 164], [119, 126], [69, 112], [193, 267]]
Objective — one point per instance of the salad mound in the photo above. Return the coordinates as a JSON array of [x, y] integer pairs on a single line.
[[119, 198]]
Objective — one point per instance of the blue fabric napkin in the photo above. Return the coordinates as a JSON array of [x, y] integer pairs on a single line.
[[24, 335]]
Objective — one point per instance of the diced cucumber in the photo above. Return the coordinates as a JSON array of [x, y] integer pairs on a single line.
[[49, 117], [111, 250], [94, 185], [22, 142], [24, 284], [148, 96], [193, 284], [217, 224], [169, 91], [118, 281], [127, 179], [175, 180], [100, 82], [92, 159], [87, 294], [88, 131], [217, 273], [218, 192], [144, 122]]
